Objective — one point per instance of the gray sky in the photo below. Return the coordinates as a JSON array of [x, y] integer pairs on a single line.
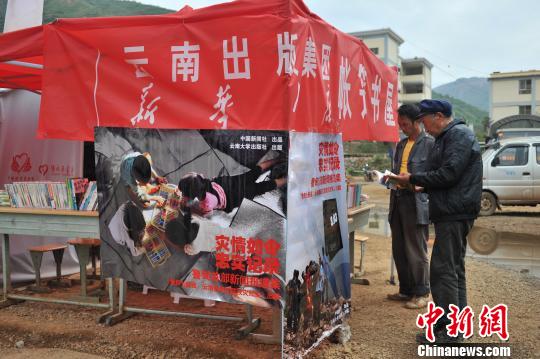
[[462, 38]]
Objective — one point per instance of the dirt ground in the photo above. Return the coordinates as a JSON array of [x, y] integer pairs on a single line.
[[380, 328]]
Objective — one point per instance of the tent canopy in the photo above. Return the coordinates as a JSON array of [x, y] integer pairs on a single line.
[[247, 64]]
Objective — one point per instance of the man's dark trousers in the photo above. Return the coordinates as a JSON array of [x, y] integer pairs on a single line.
[[448, 266], [409, 246]]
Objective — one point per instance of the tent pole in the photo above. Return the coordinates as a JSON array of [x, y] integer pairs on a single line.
[[24, 64]]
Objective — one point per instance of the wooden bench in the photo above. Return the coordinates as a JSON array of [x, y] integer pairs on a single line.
[[36, 253], [85, 247], [363, 240]]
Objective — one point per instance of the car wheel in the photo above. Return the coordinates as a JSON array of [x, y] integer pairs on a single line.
[[482, 240], [488, 204]]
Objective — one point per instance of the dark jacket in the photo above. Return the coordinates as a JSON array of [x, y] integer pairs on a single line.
[[416, 163], [453, 177]]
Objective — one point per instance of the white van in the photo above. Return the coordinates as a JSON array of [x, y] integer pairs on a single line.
[[511, 174]]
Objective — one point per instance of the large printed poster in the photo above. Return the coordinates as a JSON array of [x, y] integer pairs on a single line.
[[318, 274], [202, 213]]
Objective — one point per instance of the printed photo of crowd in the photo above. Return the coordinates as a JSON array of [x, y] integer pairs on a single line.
[[313, 306]]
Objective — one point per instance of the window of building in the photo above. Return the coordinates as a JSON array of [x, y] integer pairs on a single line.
[[525, 110], [525, 86], [375, 50], [413, 88], [413, 70], [513, 156]]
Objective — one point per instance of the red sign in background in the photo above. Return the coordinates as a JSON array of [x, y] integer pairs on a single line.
[[240, 65]]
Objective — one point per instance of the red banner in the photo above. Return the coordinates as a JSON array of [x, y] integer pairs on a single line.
[[241, 65]]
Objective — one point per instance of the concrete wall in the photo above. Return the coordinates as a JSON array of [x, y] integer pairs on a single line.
[[378, 43], [505, 98]]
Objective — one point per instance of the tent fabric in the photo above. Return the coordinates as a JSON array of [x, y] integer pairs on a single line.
[[242, 65], [16, 45], [22, 74]]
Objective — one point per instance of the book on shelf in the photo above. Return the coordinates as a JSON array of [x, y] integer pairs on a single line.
[[89, 199], [5, 200], [72, 194], [354, 195]]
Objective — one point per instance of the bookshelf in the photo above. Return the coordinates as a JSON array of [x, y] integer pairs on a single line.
[[45, 211]]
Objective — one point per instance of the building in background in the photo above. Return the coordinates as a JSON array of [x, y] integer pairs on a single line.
[[415, 74], [383, 42], [514, 99], [415, 77]]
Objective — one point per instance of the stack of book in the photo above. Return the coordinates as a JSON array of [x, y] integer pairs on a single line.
[[74, 194], [4, 199], [89, 199], [354, 195]]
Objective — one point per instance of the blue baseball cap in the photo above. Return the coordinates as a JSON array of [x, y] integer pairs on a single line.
[[428, 107]]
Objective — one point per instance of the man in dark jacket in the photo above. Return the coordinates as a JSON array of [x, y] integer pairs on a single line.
[[409, 214], [453, 180]]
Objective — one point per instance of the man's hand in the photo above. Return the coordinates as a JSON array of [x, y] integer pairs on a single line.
[[418, 189], [161, 180], [160, 201], [402, 178], [189, 250], [152, 189]]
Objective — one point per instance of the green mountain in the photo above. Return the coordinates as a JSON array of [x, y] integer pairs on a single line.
[[470, 114], [474, 91], [54, 9]]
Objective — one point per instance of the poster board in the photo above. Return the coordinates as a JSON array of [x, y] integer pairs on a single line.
[[272, 207]]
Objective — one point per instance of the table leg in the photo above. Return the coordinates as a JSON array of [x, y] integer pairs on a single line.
[[121, 315], [356, 278], [6, 273], [351, 251], [277, 330], [83, 252], [113, 301], [252, 324]]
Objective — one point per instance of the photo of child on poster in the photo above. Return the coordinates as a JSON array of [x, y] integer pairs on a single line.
[[202, 213], [317, 293]]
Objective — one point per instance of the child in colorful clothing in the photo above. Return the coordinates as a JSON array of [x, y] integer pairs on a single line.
[[227, 192], [136, 173]]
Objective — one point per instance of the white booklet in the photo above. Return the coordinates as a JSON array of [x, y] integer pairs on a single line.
[[389, 183]]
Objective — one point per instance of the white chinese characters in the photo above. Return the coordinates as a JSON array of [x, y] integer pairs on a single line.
[[325, 61], [138, 62], [287, 53], [146, 109], [310, 59], [344, 109], [235, 55], [362, 74], [224, 96], [185, 62], [325, 75], [375, 101], [389, 110]]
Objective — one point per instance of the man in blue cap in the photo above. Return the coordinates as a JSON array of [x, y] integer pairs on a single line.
[[453, 180]]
